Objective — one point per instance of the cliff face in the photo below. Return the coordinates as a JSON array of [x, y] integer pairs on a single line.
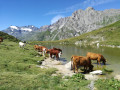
[[82, 22]]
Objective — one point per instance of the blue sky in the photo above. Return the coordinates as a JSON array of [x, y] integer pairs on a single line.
[[45, 12]]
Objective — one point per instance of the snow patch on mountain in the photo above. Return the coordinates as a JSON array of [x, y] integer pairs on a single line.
[[13, 27], [26, 29]]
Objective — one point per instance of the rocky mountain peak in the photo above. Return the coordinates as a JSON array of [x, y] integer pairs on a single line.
[[89, 9], [81, 21]]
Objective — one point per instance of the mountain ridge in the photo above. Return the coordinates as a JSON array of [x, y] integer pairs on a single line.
[[81, 21]]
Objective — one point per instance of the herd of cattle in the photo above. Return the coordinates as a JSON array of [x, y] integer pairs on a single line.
[[76, 61]]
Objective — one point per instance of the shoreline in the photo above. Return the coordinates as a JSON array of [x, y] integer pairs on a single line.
[[65, 69]]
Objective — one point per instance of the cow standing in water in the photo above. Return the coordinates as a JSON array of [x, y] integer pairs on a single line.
[[55, 52], [1, 40], [98, 57], [77, 61]]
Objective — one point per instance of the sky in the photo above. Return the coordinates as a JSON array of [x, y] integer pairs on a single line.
[[45, 12]]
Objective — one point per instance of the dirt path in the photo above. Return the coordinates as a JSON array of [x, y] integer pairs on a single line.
[[62, 69]]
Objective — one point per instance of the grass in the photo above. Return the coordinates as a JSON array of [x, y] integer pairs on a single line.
[[18, 71], [107, 84]]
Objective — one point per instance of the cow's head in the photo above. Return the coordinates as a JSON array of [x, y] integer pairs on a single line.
[[104, 61], [91, 67], [47, 51]]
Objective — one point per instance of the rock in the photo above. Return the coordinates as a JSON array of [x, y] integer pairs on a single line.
[[117, 77], [93, 77], [68, 65], [97, 72]]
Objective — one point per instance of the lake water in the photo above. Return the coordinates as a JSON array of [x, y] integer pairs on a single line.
[[111, 54]]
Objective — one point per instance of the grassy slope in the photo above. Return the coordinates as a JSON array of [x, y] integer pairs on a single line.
[[9, 37], [18, 71], [109, 35]]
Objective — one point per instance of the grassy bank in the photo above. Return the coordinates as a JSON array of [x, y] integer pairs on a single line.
[[109, 35], [18, 71]]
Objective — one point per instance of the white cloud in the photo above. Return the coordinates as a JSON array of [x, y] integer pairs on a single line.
[[82, 5], [56, 18]]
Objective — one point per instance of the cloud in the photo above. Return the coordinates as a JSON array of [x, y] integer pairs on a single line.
[[56, 18], [82, 5]]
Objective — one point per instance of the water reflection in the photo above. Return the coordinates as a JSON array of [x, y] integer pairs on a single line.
[[111, 54]]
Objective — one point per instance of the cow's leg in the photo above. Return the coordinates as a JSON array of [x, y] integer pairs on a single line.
[[84, 69], [76, 68], [51, 55], [57, 57], [43, 54], [73, 67], [59, 54], [98, 61]]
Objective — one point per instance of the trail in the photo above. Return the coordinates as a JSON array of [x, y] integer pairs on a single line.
[[91, 85], [62, 69]]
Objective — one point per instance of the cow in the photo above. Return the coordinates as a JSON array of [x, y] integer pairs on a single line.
[[21, 44], [40, 49], [54, 52], [81, 61], [98, 57], [57, 49], [1, 39]]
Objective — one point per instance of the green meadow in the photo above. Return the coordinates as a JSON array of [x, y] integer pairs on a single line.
[[18, 71]]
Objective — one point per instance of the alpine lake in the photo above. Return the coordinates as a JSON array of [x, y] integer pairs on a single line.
[[111, 54]]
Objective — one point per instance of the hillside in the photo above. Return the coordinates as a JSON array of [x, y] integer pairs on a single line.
[[108, 35], [7, 36]]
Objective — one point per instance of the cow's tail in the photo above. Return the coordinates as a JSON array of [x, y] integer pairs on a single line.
[[72, 63]]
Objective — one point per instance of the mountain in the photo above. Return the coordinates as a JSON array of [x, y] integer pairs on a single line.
[[105, 36], [81, 21], [20, 32]]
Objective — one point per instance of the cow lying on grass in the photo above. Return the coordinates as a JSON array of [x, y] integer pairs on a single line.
[[81, 61], [98, 57]]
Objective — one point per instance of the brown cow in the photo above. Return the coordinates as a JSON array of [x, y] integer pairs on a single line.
[[81, 61], [54, 52], [1, 39], [57, 49], [98, 57], [40, 49]]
